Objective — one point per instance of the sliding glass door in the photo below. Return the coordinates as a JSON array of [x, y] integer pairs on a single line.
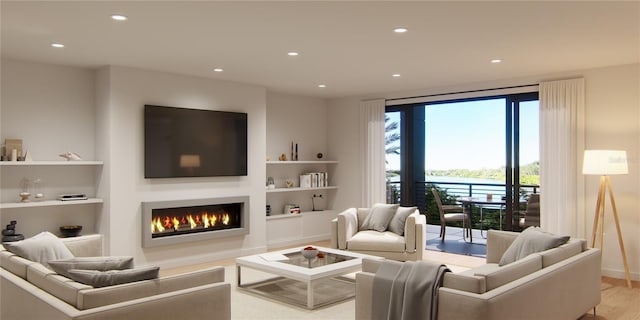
[[472, 147]]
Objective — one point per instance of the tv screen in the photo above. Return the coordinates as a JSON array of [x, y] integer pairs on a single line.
[[182, 142]]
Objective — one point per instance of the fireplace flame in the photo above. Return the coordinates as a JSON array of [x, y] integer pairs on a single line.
[[192, 222], [226, 219], [203, 220]]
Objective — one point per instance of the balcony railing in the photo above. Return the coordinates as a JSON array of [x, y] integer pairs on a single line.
[[453, 190]]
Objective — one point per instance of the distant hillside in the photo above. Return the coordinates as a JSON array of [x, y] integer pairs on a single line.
[[529, 174]]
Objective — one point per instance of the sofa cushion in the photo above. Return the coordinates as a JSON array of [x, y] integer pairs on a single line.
[[496, 276], [40, 248], [379, 217], [555, 255], [396, 225], [465, 282], [370, 240], [91, 263], [63, 288], [14, 263], [529, 241], [99, 279]]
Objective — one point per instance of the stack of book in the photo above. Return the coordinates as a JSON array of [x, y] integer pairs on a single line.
[[314, 180]]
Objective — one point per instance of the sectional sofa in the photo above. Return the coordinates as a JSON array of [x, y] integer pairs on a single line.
[[560, 283], [29, 290]]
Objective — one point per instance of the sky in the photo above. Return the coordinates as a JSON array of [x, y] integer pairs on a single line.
[[471, 135]]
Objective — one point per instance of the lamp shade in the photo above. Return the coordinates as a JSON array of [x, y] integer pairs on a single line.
[[605, 162]]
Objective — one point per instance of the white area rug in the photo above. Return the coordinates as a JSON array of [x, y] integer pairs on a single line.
[[248, 306]]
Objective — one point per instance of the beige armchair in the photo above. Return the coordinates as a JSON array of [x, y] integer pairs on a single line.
[[347, 234]]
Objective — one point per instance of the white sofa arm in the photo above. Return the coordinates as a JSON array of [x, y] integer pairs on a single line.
[[347, 226], [334, 233], [414, 229], [497, 243]]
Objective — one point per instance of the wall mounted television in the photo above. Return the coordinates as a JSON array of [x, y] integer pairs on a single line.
[[181, 142]]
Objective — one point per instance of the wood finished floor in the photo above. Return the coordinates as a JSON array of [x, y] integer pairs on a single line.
[[618, 301]]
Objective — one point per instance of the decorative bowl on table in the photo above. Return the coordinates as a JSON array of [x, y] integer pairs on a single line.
[[309, 252], [70, 231]]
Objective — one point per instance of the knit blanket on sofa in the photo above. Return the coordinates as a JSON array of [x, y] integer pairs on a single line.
[[407, 290]]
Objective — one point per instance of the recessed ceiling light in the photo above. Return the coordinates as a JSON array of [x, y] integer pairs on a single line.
[[400, 30], [496, 60], [322, 86], [118, 17], [57, 45], [396, 75], [292, 53], [218, 70]]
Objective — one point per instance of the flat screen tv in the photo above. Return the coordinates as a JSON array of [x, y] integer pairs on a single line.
[[182, 142]]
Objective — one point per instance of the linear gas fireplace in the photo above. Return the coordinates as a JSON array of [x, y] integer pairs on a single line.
[[172, 222]]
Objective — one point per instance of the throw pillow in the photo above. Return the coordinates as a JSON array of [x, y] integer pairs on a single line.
[[40, 248], [98, 279], [399, 219], [531, 240], [379, 217], [91, 263]]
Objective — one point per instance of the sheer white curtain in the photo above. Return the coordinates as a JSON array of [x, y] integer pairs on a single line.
[[561, 148], [372, 152]]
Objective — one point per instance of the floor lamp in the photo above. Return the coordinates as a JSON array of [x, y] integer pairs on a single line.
[[605, 163]]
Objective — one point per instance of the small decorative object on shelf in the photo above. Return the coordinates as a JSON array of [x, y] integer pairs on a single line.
[[289, 183], [71, 156], [9, 234], [268, 210], [70, 231], [25, 184], [282, 157], [270, 183], [12, 148], [319, 155], [291, 209], [317, 202], [37, 190]]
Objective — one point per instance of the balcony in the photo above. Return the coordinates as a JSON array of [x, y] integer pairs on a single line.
[[483, 217]]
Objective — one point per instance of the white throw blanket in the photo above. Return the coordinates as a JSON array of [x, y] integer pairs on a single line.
[[407, 290]]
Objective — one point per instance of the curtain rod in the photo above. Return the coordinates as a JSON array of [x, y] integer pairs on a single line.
[[461, 92]]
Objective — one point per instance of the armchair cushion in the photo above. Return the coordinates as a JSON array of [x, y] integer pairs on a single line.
[[379, 217], [399, 219], [531, 240], [371, 240]]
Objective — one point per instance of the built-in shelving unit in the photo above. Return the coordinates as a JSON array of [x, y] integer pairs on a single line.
[[297, 189], [48, 203], [307, 226], [50, 163], [25, 165]]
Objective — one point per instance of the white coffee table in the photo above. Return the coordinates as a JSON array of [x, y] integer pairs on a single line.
[[322, 277]]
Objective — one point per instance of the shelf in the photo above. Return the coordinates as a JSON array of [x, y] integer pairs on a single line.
[[298, 189], [51, 163], [296, 215], [304, 162], [47, 203]]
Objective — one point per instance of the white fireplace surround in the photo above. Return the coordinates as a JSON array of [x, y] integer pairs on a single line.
[[148, 207]]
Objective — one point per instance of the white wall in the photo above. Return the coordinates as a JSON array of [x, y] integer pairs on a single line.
[[296, 119], [129, 90], [612, 121]]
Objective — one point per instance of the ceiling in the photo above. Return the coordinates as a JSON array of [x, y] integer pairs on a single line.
[[348, 46]]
